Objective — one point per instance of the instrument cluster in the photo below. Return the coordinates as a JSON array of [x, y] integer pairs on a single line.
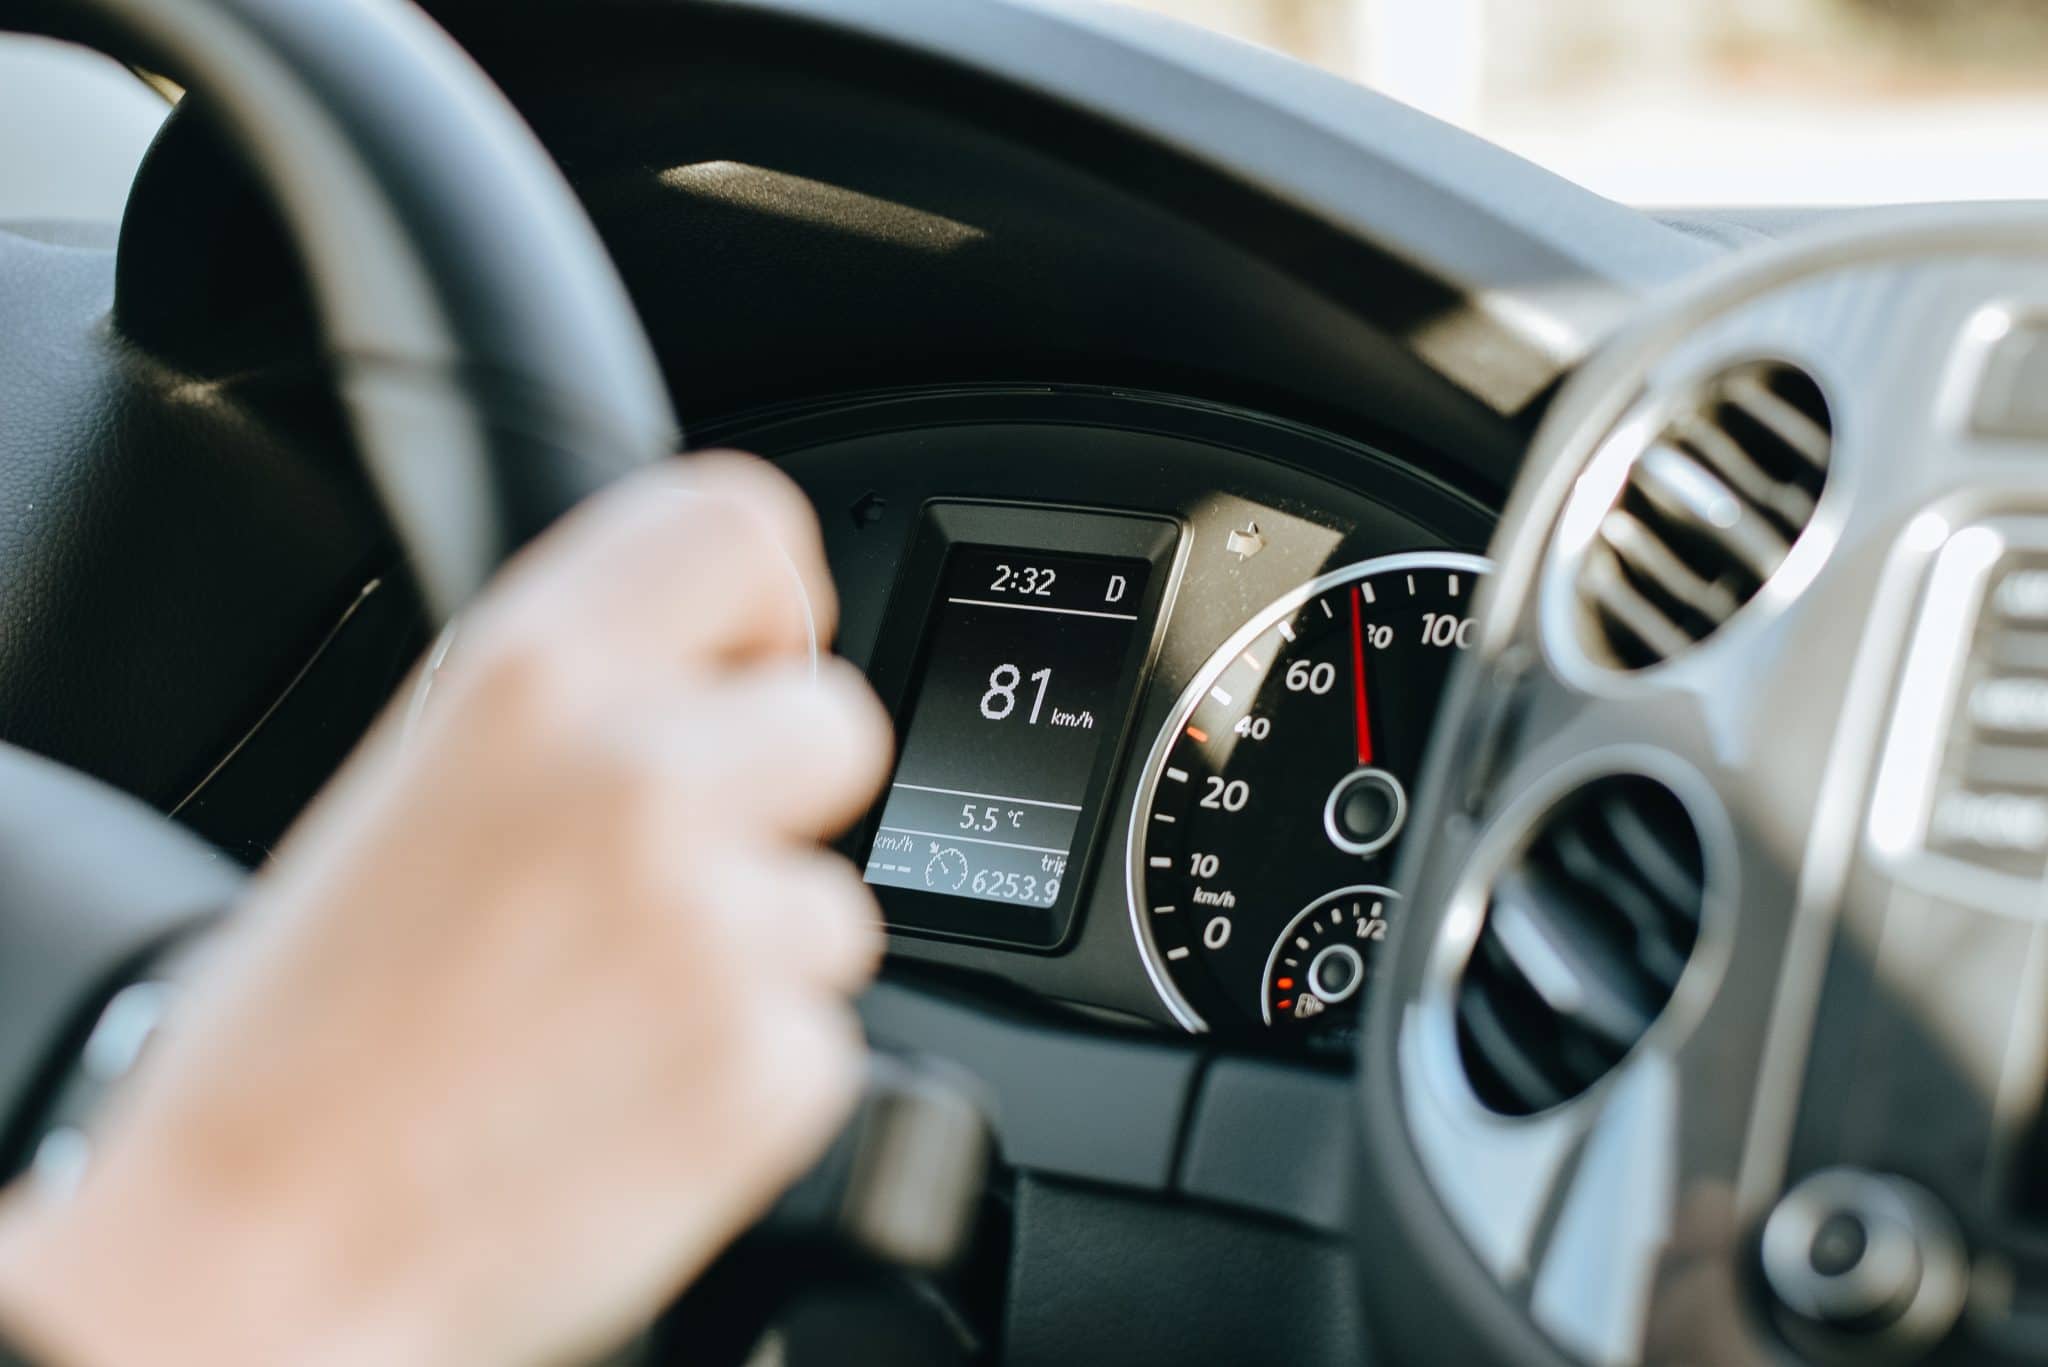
[[1161, 688]]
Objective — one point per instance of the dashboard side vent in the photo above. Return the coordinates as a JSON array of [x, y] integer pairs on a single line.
[[1709, 510], [1586, 935]]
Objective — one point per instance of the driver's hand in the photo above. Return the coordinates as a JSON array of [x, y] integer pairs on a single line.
[[536, 1009]]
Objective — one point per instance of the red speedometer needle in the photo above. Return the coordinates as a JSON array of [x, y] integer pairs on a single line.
[[1359, 713]]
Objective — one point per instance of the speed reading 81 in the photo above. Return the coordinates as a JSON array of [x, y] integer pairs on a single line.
[[1273, 802]]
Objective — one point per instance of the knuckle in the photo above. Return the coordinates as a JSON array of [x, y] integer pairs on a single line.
[[585, 549], [601, 793], [770, 521], [742, 550], [861, 941], [817, 1053], [745, 582], [692, 798], [635, 785], [716, 909], [767, 490], [850, 920], [520, 684], [609, 788], [856, 714]]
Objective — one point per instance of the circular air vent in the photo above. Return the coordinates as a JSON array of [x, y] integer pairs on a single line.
[[1586, 934], [1708, 510]]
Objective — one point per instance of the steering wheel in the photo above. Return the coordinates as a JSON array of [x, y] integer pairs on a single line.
[[1719, 1033], [493, 373], [484, 351]]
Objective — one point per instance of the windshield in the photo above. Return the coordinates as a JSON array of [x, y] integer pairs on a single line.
[[1678, 103]]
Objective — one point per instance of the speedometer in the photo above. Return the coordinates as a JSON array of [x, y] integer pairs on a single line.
[[1274, 800]]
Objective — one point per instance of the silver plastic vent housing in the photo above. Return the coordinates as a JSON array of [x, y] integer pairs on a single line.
[[1706, 509]]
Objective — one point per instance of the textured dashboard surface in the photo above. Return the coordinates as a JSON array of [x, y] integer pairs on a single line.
[[165, 557]]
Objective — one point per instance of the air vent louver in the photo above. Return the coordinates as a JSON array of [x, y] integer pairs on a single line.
[[1708, 512], [1585, 937]]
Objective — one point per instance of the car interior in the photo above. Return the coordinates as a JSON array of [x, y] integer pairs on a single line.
[[1469, 781]]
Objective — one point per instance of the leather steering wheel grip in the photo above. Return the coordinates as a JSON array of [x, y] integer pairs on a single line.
[[486, 352]]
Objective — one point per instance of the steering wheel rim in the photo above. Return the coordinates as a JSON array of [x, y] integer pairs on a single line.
[[1900, 319], [488, 357]]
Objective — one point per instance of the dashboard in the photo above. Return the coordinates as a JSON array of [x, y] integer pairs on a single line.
[[1162, 672], [1158, 400]]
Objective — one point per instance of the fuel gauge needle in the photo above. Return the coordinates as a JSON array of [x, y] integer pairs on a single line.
[[1360, 714]]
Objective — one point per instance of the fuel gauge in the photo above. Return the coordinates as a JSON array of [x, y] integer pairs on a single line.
[[1321, 961]]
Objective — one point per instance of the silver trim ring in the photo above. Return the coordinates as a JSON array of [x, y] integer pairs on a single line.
[[1394, 824], [1456, 935], [1335, 996], [1191, 697]]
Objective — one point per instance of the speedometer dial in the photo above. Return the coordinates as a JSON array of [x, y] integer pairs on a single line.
[[1274, 801]]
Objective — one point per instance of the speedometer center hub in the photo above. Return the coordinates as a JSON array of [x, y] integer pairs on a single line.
[[1365, 811]]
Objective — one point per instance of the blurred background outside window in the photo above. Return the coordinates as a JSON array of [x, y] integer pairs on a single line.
[[1661, 103], [1674, 103]]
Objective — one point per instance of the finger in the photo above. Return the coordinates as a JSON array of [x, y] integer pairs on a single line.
[[803, 918], [811, 1069], [769, 748], [694, 561], [788, 512], [802, 1071]]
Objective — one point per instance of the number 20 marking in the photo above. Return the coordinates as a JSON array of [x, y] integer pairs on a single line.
[[1229, 797]]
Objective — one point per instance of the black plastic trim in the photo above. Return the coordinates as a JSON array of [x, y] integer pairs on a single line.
[[1092, 1105]]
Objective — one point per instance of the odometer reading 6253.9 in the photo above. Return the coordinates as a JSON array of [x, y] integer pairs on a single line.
[[1274, 801]]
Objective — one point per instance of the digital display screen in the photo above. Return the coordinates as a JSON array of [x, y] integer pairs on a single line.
[[1026, 676]]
